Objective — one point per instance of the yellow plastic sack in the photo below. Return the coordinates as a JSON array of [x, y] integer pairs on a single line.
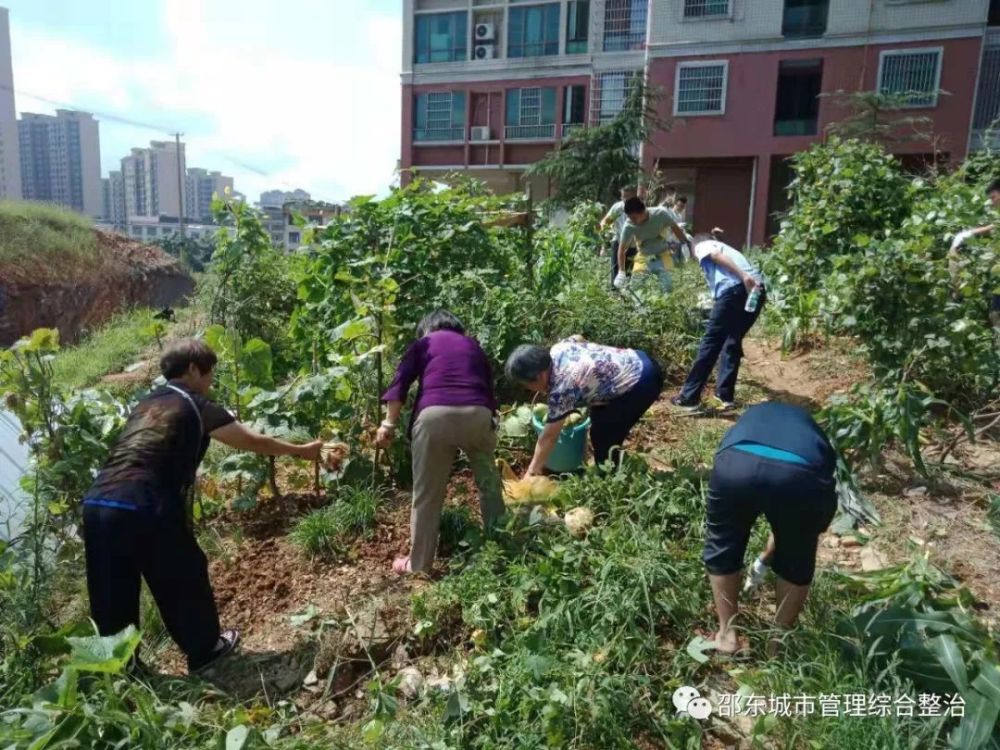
[[528, 490]]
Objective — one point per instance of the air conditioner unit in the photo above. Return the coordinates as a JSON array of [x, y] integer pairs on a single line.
[[480, 133], [485, 32], [484, 52]]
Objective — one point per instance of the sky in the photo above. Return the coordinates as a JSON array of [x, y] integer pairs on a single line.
[[279, 94]]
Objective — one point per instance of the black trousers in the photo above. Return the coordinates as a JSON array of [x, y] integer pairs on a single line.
[[124, 546], [798, 501], [727, 326], [611, 423]]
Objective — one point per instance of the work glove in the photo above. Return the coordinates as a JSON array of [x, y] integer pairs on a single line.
[[621, 280], [961, 238]]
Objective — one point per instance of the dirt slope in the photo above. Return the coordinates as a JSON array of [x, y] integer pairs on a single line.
[[127, 274]]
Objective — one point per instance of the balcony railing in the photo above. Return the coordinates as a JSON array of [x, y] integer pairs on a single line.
[[431, 135], [569, 127], [529, 132]]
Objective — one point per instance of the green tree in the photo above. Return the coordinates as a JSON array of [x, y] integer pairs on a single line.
[[877, 117], [595, 162]]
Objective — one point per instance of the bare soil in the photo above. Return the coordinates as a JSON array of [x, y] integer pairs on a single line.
[[262, 581]]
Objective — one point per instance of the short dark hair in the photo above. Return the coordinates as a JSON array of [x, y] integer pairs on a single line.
[[527, 362], [634, 206], [439, 320], [681, 199], [181, 354], [994, 187]]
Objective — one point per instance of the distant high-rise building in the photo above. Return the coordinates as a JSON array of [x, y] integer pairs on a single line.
[[151, 180], [61, 160], [200, 186], [114, 199], [278, 198], [10, 160]]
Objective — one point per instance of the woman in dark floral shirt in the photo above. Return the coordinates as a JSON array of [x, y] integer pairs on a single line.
[[619, 386]]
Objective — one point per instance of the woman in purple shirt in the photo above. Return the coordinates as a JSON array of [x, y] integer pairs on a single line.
[[454, 410]]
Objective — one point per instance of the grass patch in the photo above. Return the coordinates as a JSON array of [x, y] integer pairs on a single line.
[[35, 236], [327, 532], [111, 348]]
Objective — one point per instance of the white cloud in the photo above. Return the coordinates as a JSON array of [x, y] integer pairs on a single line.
[[324, 119]]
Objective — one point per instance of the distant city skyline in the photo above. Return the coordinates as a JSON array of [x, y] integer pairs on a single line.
[[259, 94]]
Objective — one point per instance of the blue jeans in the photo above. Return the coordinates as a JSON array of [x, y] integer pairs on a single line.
[[727, 325]]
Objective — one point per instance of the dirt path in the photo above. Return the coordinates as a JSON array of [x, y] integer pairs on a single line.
[[946, 519]]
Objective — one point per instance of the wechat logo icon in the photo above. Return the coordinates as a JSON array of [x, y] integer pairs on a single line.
[[687, 700]]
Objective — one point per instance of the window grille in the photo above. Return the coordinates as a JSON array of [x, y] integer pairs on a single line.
[[701, 89], [705, 8], [914, 74]]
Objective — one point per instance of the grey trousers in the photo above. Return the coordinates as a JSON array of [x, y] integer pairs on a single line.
[[439, 433]]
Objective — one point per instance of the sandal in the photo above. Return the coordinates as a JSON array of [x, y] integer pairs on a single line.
[[228, 642], [401, 565], [742, 647]]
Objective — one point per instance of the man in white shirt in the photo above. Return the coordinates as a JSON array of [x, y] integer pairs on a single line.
[[616, 217], [677, 250]]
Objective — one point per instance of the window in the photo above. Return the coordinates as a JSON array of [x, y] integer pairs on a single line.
[[531, 113], [440, 116], [988, 96], [625, 25], [705, 8], [993, 19], [915, 74], [533, 31], [574, 105], [440, 37], [613, 89], [805, 18], [701, 88], [577, 26], [797, 107]]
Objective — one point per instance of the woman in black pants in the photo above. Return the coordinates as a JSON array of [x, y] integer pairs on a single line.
[[135, 523], [774, 461], [619, 386]]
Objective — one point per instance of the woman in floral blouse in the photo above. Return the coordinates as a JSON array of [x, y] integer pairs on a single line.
[[619, 386]]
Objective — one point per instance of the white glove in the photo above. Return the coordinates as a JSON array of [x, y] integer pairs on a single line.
[[961, 238], [621, 280]]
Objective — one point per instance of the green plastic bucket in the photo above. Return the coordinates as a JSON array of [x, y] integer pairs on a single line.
[[569, 452]]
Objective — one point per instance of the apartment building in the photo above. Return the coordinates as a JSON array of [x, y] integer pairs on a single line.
[[491, 86], [199, 187], [10, 158], [152, 185], [61, 160], [113, 187]]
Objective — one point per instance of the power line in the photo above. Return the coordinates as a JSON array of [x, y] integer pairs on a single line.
[[161, 129]]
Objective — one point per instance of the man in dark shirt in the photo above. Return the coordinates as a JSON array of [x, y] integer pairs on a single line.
[[774, 461], [135, 521]]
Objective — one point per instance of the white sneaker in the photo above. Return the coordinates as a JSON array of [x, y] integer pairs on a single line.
[[758, 571]]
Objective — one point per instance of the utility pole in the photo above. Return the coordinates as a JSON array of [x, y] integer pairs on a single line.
[[180, 185]]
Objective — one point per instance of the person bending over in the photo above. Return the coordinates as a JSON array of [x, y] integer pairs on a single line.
[[619, 386], [647, 227], [731, 278], [774, 461], [454, 410], [136, 523]]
